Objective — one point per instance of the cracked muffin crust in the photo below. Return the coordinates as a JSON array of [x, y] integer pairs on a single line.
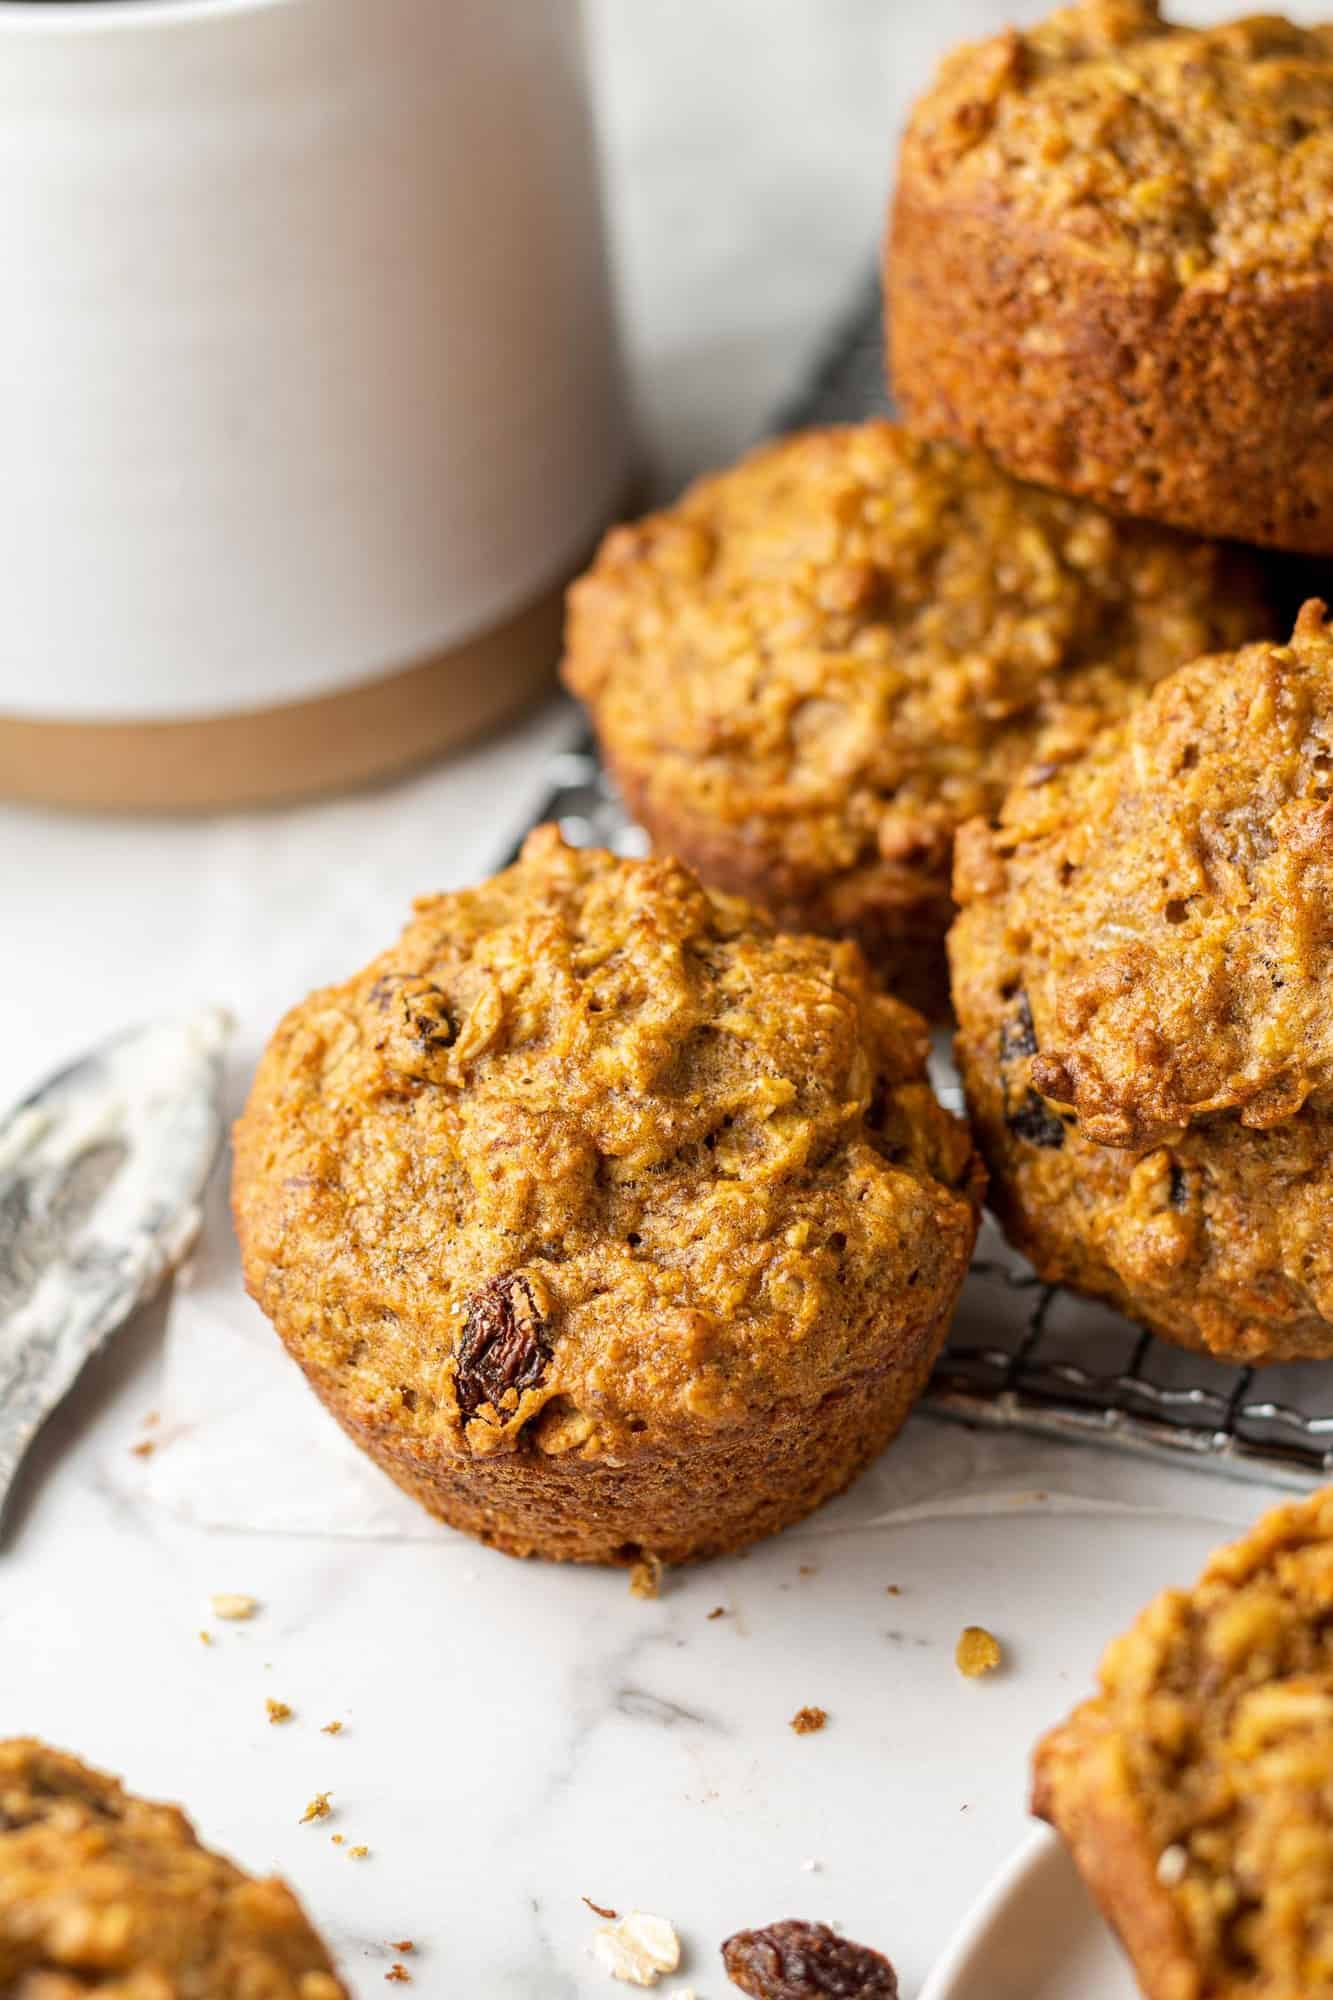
[[1143, 974], [810, 670], [607, 1219], [107, 1894], [1182, 926], [1195, 1790], [1110, 263]]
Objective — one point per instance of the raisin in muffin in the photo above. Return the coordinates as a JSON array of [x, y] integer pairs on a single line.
[[104, 1893], [809, 671], [1195, 1790], [1110, 263], [1143, 973], [604, 1217]]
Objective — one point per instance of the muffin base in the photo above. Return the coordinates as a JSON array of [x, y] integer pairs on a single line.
[[722, 1494], [1207, 409], [899, 923], [1226, 1333]]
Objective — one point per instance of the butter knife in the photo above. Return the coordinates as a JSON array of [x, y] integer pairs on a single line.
[[102, 1175]]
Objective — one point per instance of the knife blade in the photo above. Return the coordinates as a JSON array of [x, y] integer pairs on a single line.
[[102, 1173]]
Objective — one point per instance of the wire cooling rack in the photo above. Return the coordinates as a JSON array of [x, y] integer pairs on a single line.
[[1024, 1355]]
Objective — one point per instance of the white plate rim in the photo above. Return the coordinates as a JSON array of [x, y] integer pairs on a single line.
[[1041, 1852], [1023, 1863]]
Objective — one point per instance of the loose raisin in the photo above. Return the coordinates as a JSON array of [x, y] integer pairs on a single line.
[[503, 1345], [799, 1961]]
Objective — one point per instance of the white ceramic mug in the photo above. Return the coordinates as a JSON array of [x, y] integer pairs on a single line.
[[308, 369]]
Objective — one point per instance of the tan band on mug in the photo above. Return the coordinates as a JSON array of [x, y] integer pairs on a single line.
[[327, 744]]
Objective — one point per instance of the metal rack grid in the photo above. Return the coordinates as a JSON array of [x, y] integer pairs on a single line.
[[1022, 1354]]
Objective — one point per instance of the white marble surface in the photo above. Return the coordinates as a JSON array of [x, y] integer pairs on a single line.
[[519, 1736]]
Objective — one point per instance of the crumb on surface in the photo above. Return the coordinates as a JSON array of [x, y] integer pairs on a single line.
[[318, 1809], [332, 1729], [359, 1852], [598, 1910], [807, 1720], [205, 1638], [405, 1945], [977, 1652], [638, 1949], [808, 1569], [337, 1839], [144, 1449], [398, 1974], [645, 1578], [277, 1711], [894, 1589], [718, 1611], [233, 1604]]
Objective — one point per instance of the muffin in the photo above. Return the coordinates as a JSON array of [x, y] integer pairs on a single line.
[[807, 673], [1143, 974], [1110, 263], [1195, 1790], [103, 1893], [609, 1221]]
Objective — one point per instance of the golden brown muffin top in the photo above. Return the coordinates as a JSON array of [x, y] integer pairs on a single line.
[[856, 639], [1189, 155], [1212, 1738], [591, 1156], [102, 1893], [1173, 900]]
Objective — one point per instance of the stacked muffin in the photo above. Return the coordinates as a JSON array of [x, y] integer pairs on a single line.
[[1109, 269], [1143, 971], [814, 668], [1111, 265]]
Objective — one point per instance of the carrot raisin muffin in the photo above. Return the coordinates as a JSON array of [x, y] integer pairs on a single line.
[[1143, 973], [813, 667], [606, 1219], [1195, 1790], [103, 1893], [1110, 263]]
